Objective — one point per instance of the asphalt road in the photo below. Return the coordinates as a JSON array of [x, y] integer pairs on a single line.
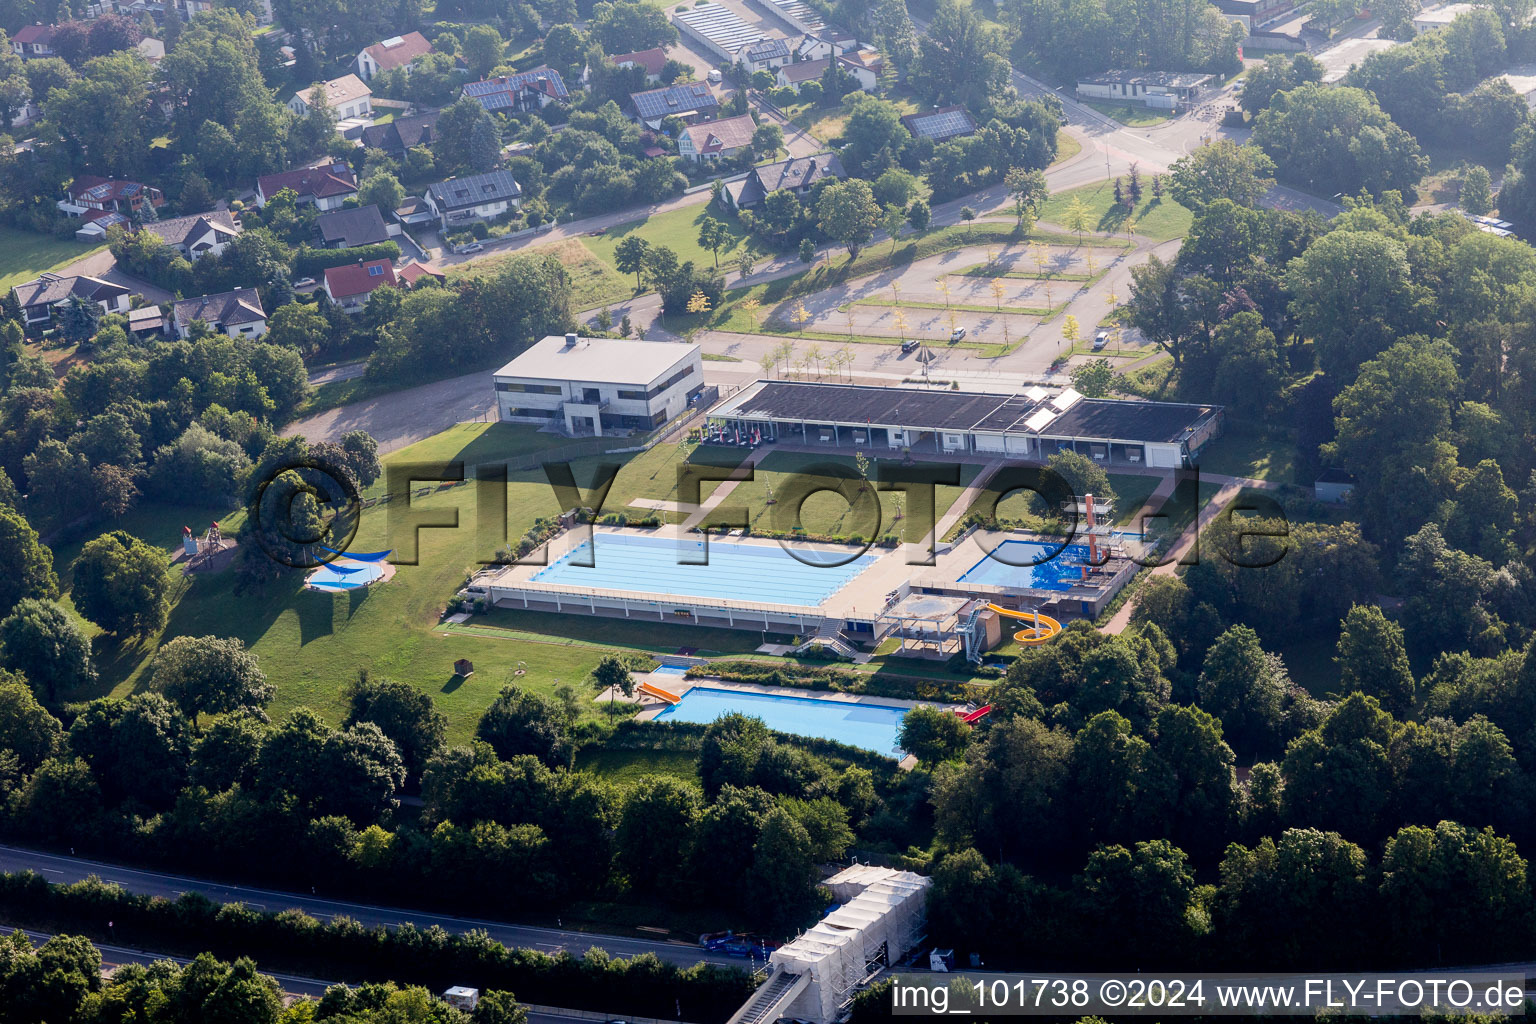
[[57, 868]]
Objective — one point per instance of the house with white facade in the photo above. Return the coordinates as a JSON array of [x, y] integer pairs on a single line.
[[1161, 90], [476, 197], [347, 96], [39, 298], [713, 140], [238, 314], [324, 187], [586, 386], [350, 285], [395, 52], [197, 235]]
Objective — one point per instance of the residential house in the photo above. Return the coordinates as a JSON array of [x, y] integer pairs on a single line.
[[347, 97], [89, 193], [476, 197], [394, 52], [793, 76], [525, 90], [401, 134], [869, 66], [413, 274], [713, 140], [349, 286], [38, 298], [197, 235], [1162, 90], [33, 41], [797, 175], [237, 314], [146, 322], [347, 229], [414, 211], [941, 123], [651, 60], [691, 101], [765, 55], [325, 187], [830, 43]]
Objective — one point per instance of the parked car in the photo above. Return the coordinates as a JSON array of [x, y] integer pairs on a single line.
[[714, 76], [956, 335], [1100, 340], [304, 282], [472, 247], [909, 344]]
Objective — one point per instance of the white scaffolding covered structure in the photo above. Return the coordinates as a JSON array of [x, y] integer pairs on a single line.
[[884, 914]]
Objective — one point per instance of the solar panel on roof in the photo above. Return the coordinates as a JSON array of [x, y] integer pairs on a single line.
[[1066, 400], [1039, 421], [943, 124], [1035, 393]]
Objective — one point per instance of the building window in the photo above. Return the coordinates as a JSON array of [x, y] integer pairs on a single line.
[[547, 414], [632, 396], [532, 389]]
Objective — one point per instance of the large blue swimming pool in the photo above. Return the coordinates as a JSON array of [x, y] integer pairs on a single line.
[[762, 573], [867, 726], [1009, 566]]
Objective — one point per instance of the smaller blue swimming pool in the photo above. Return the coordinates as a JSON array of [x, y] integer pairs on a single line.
[[873, 727], [1028, 564], [337, 576], [671, 670]]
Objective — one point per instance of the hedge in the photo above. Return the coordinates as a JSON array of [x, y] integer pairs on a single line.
[[312, 262], [343, 950]]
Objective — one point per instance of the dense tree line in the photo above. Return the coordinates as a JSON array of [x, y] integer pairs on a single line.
[[392, 971], [1071, 38]]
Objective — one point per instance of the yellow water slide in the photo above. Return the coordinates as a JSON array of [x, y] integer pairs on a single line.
[[659, 693], [1044, 627]]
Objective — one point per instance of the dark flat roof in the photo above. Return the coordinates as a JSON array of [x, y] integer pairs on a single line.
[[1096, 418]]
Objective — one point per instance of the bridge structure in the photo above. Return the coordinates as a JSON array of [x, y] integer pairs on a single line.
[[883, 915]]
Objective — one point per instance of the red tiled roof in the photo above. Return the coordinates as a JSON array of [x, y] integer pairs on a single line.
[[359, 278], [413, 272], [33, 34], [321, 182], [652, 60], [405, 49], [722, 136]]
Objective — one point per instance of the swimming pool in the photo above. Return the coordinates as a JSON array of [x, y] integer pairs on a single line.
[[1009, 566], [764, 573], [873, 727], [670, 670]]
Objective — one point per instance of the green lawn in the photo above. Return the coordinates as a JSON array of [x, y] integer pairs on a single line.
[[626, 767], [1134, 115], [1248, 450], [1067, 147], [25, 254], [678, 230], [594, 283], [1156, 219]]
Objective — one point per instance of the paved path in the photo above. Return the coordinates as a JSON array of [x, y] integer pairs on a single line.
[[58, 868], [404, 417]]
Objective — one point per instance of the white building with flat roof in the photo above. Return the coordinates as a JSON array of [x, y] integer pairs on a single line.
[[588, 386]]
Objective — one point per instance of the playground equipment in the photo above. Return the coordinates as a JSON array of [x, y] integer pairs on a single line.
[[1044, 627], [666, 696], [200, 552]]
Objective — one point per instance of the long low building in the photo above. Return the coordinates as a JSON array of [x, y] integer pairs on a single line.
[[1034, 423]]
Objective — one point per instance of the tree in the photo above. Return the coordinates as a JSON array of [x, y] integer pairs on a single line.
[[783, 877], [933, 734], [1078, 217], [1338, 139], [767, 139], [807, 251], [43, 643], [102, 118], [1353, 293], [482, 49], [27, 730], [1373, 661], [1093, 378], [1423, 879], [1245, 687], [381, 189], [136, 747], [454, 138], [624, 26], [314, 133], [1028, 189], [403, 713], [1477, 191], [299, 326], [122, 584], [79, 319], [26, 565], [655, 826], [847, 213], [210, 675], [631, 256], [1221, 170], [500, 1008], [714, 235], [612, 675], [960, 58], [969, 216], [919, 215], [1338, 775], [518, 722], [1070, 329]]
